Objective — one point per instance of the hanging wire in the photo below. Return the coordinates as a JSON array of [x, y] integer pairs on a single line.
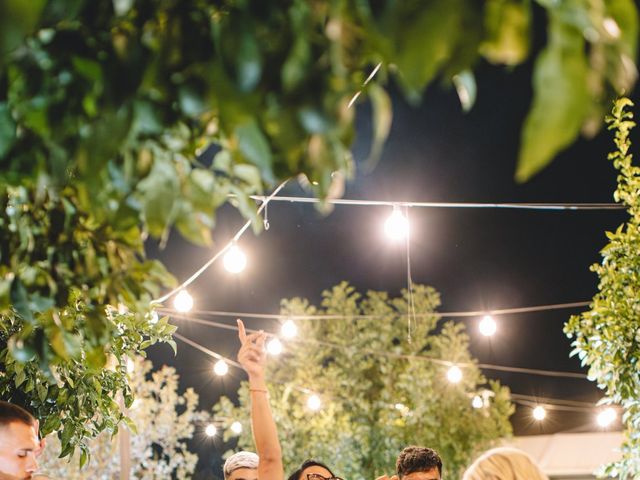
[[265, 201], [438, 361], [459, 314], [521, 206], [411, 310]]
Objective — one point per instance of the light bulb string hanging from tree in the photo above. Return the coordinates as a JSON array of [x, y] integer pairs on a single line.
[[230, 244], [453, 314], [389, 203], [447, 363], [519, 398]]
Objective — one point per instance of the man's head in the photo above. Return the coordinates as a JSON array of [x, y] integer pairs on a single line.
[[19, 442], [241, 466], [419, 463]]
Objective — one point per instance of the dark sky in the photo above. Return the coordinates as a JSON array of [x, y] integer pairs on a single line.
[[477, 259]]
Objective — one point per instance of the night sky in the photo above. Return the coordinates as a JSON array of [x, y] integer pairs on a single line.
[[477, 259]]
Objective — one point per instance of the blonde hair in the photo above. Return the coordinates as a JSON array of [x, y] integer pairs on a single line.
[[504, 464]]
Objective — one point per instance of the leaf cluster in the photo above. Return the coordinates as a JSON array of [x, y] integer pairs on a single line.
[[607, 336]]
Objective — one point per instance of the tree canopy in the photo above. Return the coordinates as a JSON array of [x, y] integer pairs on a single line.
[[379, 391], [106, 106], [606, 337]]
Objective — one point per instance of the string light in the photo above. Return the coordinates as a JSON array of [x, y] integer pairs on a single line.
[[314, 403], [454, 374], [397, 226], [539, 413], [131, 366], [211, 430], [477, 402], [487, 326], [235, 260], [606, 417], [183, 302], [274, 347], [236, 427], [221, 368], [289, 329]]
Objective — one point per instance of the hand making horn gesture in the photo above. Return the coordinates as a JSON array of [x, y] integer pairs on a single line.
[[252, 355]]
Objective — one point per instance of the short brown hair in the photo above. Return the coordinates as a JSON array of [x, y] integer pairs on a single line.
[[417, 459], [10, 413]]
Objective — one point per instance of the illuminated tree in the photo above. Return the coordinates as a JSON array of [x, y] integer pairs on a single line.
[[377, 396]]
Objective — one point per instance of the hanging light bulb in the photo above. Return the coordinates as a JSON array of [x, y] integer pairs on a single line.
[[539, 413], [314, 403], [487, 326], [211, 430], [183, 302], [477, 402], [221, 368], [235, 260], [289, 329], [397, 225], [454, 374], [274, 347], [236, 427], [606, 417]]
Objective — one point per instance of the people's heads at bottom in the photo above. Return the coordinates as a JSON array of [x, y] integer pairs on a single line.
[[313, 470], [419, 463], [19, 443], [241, 466], [504, 463]]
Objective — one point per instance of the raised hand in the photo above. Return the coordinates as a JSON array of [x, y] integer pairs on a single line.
[[252, 355]]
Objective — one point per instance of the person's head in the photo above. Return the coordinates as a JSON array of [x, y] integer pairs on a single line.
[[313, 470], [241, 466], [504, 464], [18, 442], [419, 463]]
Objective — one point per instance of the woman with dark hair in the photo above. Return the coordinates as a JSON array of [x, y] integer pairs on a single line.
[[313, 470]]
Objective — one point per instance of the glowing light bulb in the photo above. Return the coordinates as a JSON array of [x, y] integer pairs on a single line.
[[606, 417], [477, 402], [183, 302], [131, 366], [314, 403], [221, 368], [454, 374], [274, 347], [539, 413], [487, 326], [397, 225], [289, 329], [235, 260], [211, 430], [236, 427]]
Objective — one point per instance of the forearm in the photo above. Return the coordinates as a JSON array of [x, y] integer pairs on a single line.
[[265, 433]]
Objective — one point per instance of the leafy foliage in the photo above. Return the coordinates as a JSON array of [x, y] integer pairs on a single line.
[[164, 421], [106, 106], [377, 398], [607, 338]]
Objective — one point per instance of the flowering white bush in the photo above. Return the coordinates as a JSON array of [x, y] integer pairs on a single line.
[[165, 421]]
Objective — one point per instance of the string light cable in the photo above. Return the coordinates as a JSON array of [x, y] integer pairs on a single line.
[[452, 314], [264, 202], [446, 363], [387, 203]]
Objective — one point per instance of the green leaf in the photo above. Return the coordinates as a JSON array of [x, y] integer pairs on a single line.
[[507, 31], [465, 83], [7, 130], [560, 103], [158, 193], [20, 300], [426, 35], [382, 117], [253, 145]]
